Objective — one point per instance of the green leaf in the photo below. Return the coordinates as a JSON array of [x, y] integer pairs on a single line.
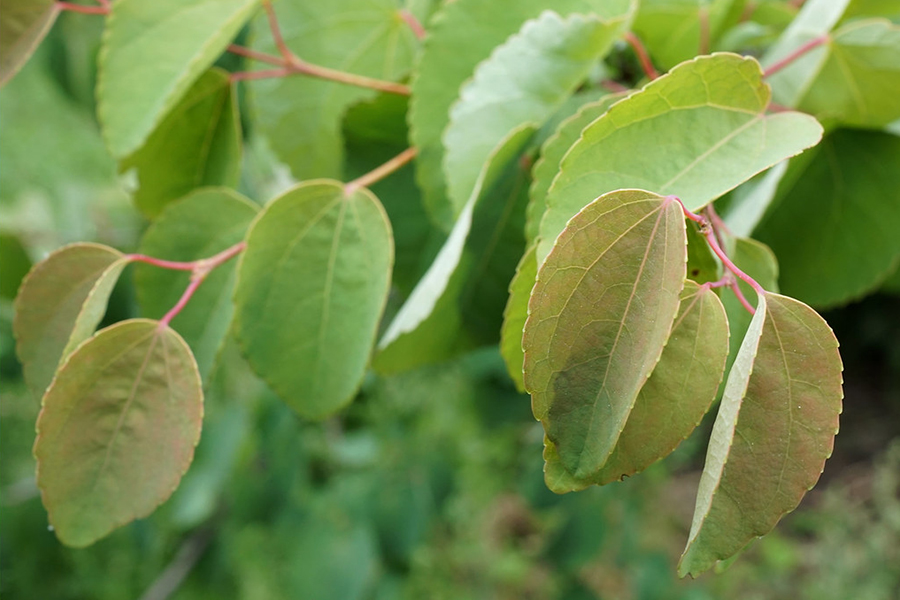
[[552, 152], [462, 35], [672, 403], [671, 29], [23, 24], [524, 82], [515, 315], [892, 283], [197, 144], [117, 429], [151, 55], [426, 328], [195, 227], [599, 316], [834, 222], [312, 285], [14, 264], [652, 140], [301, 116], [59, 305], [702, 265], [773, 433], [745, 206]]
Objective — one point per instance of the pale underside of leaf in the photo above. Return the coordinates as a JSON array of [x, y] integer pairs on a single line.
[[23, 24]]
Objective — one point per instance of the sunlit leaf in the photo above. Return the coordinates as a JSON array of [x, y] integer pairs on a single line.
[[195, 227], [60, 304], [311, 287], [23, 24], [198, 143], [773, 433], [599, 316], [117, 429], [152, 53]]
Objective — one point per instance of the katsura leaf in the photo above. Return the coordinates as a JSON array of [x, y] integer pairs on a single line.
[[599, 316], [774, 431], [515, 315], [117, 429], [23, 24], [651, 140], [311, 288]]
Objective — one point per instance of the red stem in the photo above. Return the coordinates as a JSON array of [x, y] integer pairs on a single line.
[[642, 55], [182, 302], [158, 262], [256, 55], [413, 23], [276, 33], [381, 171], [703, 16], [264, 74], [103, 9], [787, 60], [741, 298]]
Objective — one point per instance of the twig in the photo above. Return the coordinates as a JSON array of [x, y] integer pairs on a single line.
[[382, 171]]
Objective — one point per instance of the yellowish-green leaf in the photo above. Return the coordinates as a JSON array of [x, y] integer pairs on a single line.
[[23, 24], [515, 315], [117, 429]]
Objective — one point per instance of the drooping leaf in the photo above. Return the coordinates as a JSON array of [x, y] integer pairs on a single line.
[[301, 116], [672, 403], [774, 431], [117, 429], [59, 305], [151, 55], [834, 222], [652, 140], [311, 287], [427, 326], [462, 35], [552, 152], [672, 30], [197, 144], [599, 316], [197, 226], [522, 83], [515, 315], [23, 24]]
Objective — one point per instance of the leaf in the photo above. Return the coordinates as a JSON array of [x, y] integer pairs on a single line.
[[671, 29], [599, 316], [311, 288], [197, 144], [301, 116], [746, 205], [702, 265], [674, 400], [14, 264], [524, 82], [59, 305], [151, 55], [427, 325], [846, 197], [552, 152], [23, 25], [197, 226], [515, 315], [651, 140], [773, 433], [117, 429], [463, 34]]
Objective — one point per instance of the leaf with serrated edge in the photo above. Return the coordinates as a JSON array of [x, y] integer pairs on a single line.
[[23, 24], [461, 35], [312, 285], [523, 82], [60, 303], [183, 37], [672, 403], [774, 431], [301, 116], [599, 315], [848, 199], [552, 152], [651, 140], [197, 144], [515, 315], [117, 429], [197, 226]]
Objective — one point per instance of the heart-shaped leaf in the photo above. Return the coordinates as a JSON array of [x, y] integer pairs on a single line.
[[117, 429], [599, 316], [60, 304], [198, 226], [773, 433], [672, 403], [651, 140], [23, 24], [311, 288]]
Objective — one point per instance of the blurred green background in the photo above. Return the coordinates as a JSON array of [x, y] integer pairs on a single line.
[[430, 484]]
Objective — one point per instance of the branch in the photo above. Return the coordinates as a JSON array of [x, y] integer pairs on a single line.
[[382, 171]]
